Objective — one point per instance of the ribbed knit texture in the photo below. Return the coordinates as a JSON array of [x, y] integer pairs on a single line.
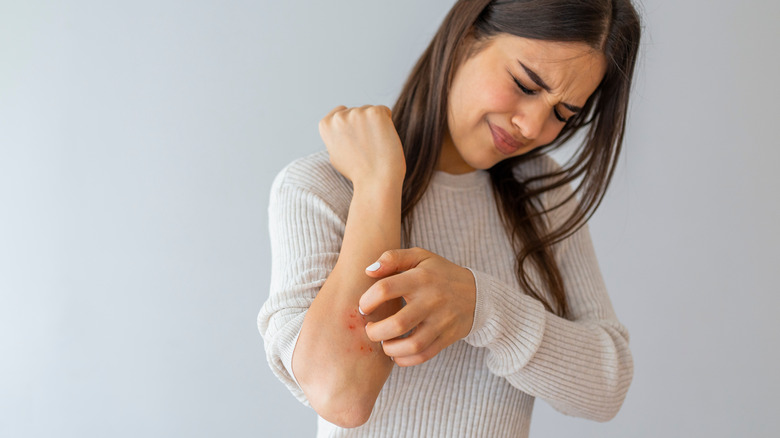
[[485, 384]]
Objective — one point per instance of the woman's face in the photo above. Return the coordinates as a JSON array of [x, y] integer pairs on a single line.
[[514, 95]]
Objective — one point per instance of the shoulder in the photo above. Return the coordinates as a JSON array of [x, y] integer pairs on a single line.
[[547, 167], [311, 171], [315, 178]]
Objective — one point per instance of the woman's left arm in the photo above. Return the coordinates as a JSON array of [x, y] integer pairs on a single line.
[[582, 366]]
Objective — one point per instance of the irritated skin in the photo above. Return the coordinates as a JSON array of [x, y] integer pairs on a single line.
[[356, 323]]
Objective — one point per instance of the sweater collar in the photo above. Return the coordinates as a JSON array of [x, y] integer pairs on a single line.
[[477, 178]]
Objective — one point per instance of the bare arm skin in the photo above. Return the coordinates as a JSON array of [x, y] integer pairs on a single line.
[[339, 368]]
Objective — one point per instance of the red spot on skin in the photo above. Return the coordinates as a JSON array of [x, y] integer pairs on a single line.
[[361, 348], [370, 349], [351, 327]]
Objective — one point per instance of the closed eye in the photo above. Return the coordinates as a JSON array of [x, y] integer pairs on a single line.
[[560, 117], [531, 92], [522, 87]]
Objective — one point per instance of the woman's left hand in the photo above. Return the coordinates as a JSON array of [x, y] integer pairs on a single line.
[[440, 299]]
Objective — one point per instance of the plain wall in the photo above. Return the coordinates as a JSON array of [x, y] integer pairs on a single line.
[[138, 142]]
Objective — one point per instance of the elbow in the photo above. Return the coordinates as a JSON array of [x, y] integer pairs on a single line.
[[347, 418], [337, 397], [609, 411], [603, 410], [616, 381], [615, 395], [603, 402], [342, 409], [338, 401]]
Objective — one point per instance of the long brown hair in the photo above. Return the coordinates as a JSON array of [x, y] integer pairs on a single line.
[[420, 116]]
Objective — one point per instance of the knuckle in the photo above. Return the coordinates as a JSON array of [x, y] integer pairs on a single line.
[[438, 300], [428, 278], [398, 326], [426, 356], [382, 288], [324, 123], [416, 345], [371, 335], [388, 256]]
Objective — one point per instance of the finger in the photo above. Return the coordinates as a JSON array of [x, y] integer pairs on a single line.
[[395, 261], [422, 337], [335, 110], [386, 110], [395, 325], [432, 350], [384, 290], [325, 121]]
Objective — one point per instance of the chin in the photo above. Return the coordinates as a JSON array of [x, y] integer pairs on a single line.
[[483, 162]]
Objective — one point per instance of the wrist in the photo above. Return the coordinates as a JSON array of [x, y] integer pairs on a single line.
[[384, 177], [381, 188]]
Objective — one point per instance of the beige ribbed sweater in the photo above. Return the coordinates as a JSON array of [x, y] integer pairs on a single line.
[[485, 384]]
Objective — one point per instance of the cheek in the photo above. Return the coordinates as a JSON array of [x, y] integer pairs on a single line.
[[469, 105], [487, 93], [498, 99], [551, 131]]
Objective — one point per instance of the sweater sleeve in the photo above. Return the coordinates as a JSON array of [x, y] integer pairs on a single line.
[[305, 234], [581, 367]]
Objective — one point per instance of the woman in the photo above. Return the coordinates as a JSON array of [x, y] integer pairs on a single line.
[[432, 273]]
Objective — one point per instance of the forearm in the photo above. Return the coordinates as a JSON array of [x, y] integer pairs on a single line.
[[582, 367], [338, 367]]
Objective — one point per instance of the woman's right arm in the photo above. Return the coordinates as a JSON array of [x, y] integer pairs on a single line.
[[339, 369]]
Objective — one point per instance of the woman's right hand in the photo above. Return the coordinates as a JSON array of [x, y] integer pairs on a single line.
[[363, 144]]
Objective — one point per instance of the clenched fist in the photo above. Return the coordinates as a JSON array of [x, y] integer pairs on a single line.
[[364, 145]]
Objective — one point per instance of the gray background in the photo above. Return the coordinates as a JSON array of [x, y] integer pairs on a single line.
[[138, 141]]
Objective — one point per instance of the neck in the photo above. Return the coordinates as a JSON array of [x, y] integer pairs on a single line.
[[450, 160]]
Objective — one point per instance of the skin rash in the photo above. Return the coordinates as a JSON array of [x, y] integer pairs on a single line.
[[357, 321]]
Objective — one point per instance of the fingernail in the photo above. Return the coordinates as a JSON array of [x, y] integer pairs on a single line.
[[373, 267], [361, 311]]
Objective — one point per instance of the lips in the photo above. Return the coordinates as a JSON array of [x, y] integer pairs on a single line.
[[504, 142]]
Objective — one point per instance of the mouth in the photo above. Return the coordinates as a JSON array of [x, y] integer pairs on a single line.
[[503, 141]]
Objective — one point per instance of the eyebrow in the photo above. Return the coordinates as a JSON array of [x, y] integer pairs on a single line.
[[540, 82]]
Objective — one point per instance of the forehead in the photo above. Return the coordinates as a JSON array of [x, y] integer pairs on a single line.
[[573, 70]]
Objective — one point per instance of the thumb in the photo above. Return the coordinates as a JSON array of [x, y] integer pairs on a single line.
[[396, 260]]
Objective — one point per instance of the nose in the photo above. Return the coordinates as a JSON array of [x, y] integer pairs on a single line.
[[530, 118]]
